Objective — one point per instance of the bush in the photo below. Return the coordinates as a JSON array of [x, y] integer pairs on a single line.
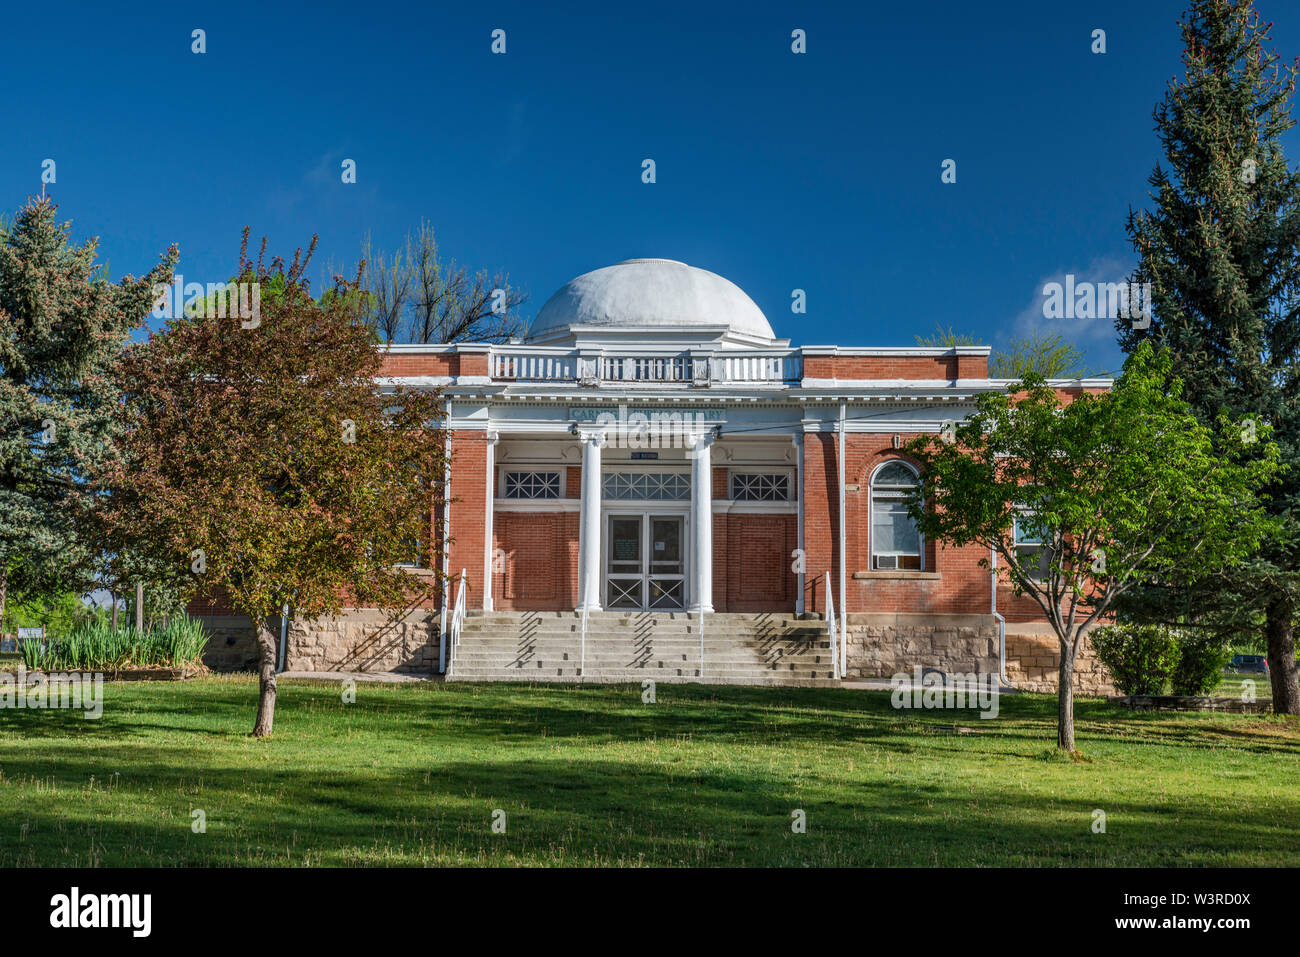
[[96, 646], [1202, 656], [1140, 658]]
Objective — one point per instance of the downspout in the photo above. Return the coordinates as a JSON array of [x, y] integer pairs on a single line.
[[1002, 622], [799, 605], [284, 638], [844, 596]]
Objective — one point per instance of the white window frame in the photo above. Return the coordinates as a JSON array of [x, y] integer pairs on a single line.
[[646, 469], [502, 486], [892, 494], [792, 494], [1034, 570]]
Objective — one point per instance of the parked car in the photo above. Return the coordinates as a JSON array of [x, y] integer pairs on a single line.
[[1248, 665]]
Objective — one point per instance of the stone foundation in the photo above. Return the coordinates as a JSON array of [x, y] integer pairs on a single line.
[[361, 639], [232, 642], [1034, 660], [364, 639], [882, 645]]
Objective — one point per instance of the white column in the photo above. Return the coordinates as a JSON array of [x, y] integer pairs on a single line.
[[589, 521], [488, 550], [702, 523]]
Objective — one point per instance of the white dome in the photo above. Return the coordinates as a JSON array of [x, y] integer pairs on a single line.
[[658, 294]]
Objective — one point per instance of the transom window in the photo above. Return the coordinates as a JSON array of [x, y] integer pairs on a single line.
[[760, 486], [895, 539], [647, 486], [532, 485]]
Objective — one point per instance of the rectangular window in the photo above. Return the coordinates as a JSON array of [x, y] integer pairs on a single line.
[[760, 486], [1032, 549], [895, 539], [414, 548], [647, 486], [531, 485], [896, 543]]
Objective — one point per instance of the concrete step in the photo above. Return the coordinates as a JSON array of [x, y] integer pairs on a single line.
[[636, 646]]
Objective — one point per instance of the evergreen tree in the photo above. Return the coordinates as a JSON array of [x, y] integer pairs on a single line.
[[62, 326], [1220, 250]]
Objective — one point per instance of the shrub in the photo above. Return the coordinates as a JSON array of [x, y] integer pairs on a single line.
[[95, 645], [1202, 656], [1140, 658]]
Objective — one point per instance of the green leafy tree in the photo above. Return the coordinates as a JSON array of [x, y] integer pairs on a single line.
[[261, 457], [943, 338], [1121, 487], [1221, 249], [1050, 356], [62, 325]]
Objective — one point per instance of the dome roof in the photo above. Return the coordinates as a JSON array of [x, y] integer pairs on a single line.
[[650, 293]]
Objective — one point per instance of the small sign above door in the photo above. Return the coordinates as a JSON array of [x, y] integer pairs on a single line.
[[645, 455]]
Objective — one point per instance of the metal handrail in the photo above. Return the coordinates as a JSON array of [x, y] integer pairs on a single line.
[[457, 624], [582, 660], [831, 627], [701, 642]]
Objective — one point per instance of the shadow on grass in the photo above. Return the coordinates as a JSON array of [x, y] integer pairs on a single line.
[[593, 810]]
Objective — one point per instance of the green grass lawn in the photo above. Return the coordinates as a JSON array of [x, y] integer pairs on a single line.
[[411, 774]]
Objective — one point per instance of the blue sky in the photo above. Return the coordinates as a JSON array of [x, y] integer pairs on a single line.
[[779, 171]]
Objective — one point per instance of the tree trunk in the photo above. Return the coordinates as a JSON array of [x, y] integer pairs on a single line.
[[1281, 656], [4, 591], [1065, 699], [266, 683], [113, 595]]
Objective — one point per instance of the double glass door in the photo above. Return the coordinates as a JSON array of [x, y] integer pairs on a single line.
[[644, 561]]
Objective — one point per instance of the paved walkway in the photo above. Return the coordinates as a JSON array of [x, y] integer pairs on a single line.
[[378, 677], [394, 677]]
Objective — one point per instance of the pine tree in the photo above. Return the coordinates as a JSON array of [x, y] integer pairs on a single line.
[[62, 326], [1221, 250]]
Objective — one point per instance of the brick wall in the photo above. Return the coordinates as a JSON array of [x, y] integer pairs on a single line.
[[537, 565], [437, 364], [752, 562], [952, 581], [468, 512]]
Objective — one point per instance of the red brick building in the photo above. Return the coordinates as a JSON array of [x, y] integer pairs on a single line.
[[651, 448]]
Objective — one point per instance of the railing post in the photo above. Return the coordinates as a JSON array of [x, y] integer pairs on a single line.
[[831, 628], [701, 642]]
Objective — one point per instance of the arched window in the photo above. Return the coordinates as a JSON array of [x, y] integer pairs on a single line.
[[895, 539]]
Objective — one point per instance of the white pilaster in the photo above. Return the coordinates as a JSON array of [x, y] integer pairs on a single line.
[[589, 521], [801, 558], [702, 523], [489, 553]]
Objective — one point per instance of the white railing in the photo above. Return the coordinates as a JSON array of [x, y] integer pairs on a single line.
[[558, 364], [832, 628], [582, 652], [457, 624], [701, 642], [534, 366]]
